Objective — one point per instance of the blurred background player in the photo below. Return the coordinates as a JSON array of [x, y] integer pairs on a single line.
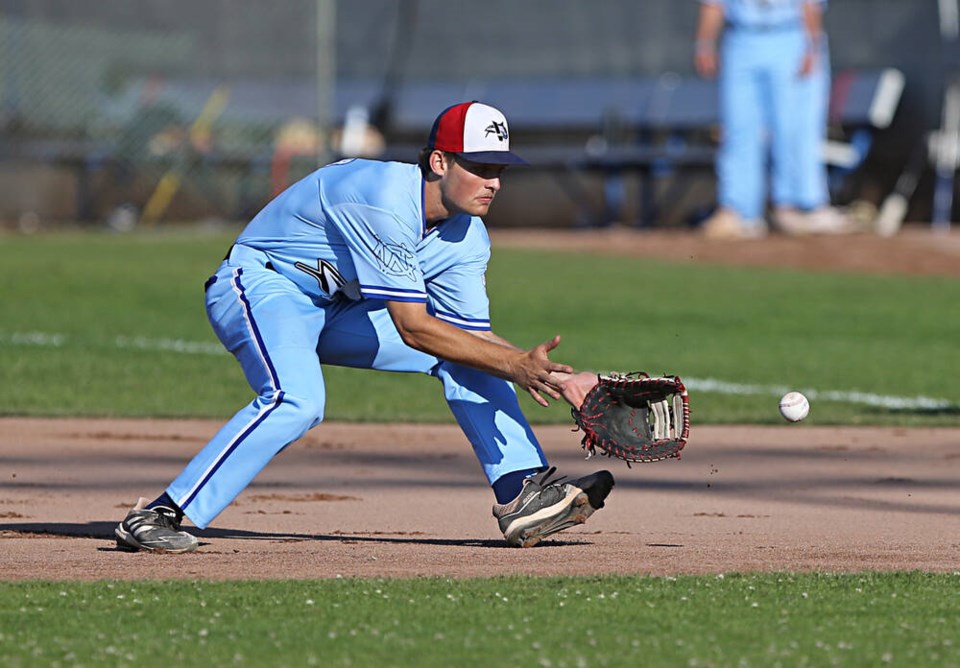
[[774, 87], [377, 265]]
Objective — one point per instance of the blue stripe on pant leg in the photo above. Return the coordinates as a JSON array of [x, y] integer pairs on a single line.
[[264, 355], [252, 324], [231, 447]]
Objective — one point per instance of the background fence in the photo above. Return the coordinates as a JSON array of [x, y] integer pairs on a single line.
[[169, 110]]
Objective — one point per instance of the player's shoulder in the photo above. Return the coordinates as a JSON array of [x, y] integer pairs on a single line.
[[463, 228], [361, 184], [364, 167], [478, 229]]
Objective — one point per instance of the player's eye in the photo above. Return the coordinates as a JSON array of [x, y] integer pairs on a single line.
[[483, 170]]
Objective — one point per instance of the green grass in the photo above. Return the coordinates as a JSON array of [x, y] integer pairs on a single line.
[[102, 295], [900, 619], [113, 325]]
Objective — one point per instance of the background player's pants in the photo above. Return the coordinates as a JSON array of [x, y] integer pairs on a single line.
[[764, 103], [280, 337]]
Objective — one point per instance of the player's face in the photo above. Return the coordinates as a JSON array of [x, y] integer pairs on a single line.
[[469, 187]]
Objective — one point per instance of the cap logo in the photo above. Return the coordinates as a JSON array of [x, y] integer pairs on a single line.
[[498, 129]]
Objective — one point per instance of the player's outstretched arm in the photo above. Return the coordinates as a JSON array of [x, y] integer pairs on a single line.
[[575, 385], [530, 369]]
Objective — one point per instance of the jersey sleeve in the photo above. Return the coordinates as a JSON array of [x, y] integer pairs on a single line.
[[458, 294], [383, 250]]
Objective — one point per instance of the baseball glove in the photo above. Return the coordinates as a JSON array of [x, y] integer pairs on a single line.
[[635, 417]]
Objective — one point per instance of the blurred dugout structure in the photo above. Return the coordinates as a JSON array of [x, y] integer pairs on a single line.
[[156, 111]]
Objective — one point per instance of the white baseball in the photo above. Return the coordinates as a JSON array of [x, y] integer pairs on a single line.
[[794, 406]]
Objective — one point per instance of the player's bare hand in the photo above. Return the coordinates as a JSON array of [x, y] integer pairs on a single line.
[[576, 386], [535, 372], [807, 64], [706, 63]]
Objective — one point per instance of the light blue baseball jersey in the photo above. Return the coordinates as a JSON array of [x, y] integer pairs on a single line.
[[304, 286], [355, 229], [763, 13]]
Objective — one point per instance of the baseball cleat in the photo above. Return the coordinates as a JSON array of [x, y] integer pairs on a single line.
[[154, 530], [548, 505]]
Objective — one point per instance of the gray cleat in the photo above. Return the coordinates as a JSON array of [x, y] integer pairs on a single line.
[[547, 505], [154, 530]]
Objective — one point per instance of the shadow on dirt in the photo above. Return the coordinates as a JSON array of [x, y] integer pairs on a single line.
[[104, 531]]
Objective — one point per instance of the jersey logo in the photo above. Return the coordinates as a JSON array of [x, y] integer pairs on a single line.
[[499, 129], [327, 276], [395, 259]]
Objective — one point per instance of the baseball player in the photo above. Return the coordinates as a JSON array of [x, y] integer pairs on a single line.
[[774, 77], [378, 265]]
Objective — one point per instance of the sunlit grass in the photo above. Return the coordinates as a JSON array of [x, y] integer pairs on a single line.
[[866, 619], [100, 324]]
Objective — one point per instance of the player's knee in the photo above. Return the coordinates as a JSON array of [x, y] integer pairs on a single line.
[[307, 408], [302, 410]]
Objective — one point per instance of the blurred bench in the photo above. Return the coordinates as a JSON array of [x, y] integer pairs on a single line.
[[661, 129]]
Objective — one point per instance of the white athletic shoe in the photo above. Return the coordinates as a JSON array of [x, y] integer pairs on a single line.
[[549, 504], [728, 224], [825, 220], [154, 530]]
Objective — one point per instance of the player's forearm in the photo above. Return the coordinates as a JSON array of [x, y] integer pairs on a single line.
[[489, 335], [480, 350], [710, 24], [708, 29], [813, 22]]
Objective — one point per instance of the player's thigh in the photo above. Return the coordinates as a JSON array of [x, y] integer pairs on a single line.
[[270, 327], [787, 90], [740, 91], [362, 335]]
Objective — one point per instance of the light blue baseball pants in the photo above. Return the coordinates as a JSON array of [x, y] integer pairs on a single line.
[[768, 110], [281, 337]]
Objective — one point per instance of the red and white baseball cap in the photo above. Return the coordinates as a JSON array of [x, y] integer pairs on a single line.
[[476, 131]]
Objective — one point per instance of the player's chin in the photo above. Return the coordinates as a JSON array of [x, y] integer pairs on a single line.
[[480, 206]]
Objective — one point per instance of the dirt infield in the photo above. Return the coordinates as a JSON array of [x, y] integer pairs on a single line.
[[916, 250], [404, 500], [368, 500]]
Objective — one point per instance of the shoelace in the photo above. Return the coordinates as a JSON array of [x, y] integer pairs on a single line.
[[544, 482]]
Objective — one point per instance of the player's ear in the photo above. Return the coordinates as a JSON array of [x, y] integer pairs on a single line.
[[441, 161], [431, 162]]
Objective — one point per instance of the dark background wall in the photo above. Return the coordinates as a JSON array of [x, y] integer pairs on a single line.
[[414, 40], [464, 38]]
